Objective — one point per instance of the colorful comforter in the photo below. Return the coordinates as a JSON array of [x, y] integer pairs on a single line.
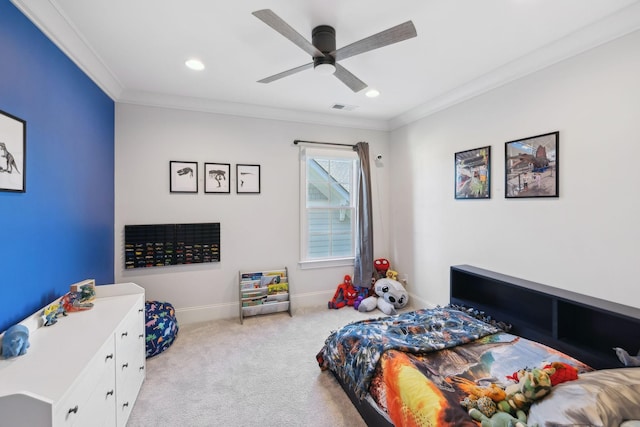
[[353, 351], [418, 366]]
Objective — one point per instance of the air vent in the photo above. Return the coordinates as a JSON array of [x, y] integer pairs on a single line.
[[344, 107]]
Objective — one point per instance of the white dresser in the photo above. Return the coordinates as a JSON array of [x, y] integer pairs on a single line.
[[85, 370]]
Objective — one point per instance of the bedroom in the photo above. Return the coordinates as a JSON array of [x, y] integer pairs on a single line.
[[590, 231]]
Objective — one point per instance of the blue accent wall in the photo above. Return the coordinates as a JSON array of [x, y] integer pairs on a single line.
[[59, 231]]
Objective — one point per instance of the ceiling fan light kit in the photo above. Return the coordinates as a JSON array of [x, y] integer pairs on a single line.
[[323, 47]]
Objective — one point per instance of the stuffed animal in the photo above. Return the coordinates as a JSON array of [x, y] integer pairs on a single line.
[[381, 265], [533, 384], [363, 292], [626, 358], [393, 275], [563, 372], [346, 294], [391, 296], [15, 341], [499, 419]]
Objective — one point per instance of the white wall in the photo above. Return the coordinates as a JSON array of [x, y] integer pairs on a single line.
[[257, 231], [586, 240]]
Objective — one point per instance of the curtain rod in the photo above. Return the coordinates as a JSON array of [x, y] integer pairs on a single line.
[[296, 141]]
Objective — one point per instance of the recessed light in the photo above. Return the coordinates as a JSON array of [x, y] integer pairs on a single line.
[[372, 93], [194, 64]]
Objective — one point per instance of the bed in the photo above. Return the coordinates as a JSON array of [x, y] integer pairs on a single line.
[[416, 368]]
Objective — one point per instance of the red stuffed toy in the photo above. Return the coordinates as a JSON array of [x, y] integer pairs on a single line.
[[381, 265], [346, 294], [563, 373]]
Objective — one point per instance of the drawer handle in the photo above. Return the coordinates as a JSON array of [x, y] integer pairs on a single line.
[[124, 334], [126, 365], [141, 368], [73, 410], [140, 310], [110, 393], [109, 356], [125, 404], [141, 336]]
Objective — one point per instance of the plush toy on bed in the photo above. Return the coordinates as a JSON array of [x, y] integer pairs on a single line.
[[499, 419], [391, 296], [533, 384]]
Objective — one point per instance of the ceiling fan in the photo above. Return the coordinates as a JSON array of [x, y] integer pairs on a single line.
[[323, 47]]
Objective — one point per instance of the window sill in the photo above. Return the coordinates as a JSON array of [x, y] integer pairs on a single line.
[[325, 263]]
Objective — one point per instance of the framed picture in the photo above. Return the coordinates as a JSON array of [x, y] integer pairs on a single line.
[[473, 174], [216, 178], [248, 179], [183, 177], [531, 166], [13, 153]]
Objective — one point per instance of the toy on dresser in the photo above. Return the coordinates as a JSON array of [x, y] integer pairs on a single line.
[[15, 341]]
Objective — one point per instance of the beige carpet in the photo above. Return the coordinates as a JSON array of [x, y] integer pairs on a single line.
[[261, 373]]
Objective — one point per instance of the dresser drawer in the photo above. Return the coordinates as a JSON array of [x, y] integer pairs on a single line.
[[100, 408], [75, 404]]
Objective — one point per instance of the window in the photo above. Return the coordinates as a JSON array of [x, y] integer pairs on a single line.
[[328, 206]]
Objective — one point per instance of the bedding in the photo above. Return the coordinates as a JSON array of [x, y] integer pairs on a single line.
[[600, 399], [417, 367]]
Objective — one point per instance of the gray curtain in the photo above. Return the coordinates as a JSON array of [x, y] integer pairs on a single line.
[[363, 268]]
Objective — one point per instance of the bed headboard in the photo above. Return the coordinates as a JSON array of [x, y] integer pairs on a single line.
[[584, 327]]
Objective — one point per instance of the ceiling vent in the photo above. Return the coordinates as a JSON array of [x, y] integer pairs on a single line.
[[344, 107]]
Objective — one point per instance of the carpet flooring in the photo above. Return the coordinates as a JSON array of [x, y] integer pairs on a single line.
[[260, 373]]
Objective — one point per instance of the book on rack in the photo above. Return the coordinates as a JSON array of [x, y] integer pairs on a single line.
[[278, 288], [250, 284]]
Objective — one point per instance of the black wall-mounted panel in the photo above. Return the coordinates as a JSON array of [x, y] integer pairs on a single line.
[[158, 245]]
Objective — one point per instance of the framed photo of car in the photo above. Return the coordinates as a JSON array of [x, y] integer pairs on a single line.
[[183, 177]]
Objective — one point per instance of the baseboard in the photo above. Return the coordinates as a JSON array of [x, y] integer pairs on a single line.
[[206, 313]]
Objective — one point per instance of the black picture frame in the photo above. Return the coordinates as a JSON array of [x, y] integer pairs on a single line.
[[183, 177], [13, 153], [531, 167], [217, 179], [473, 173], [247, 179]]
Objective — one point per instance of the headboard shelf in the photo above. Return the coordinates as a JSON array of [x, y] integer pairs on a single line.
[[584, 327]]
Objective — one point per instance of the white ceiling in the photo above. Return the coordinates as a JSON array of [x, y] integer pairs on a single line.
[[135, 51]]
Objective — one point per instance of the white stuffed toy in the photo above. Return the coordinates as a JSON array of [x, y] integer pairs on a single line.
[[391, 296]]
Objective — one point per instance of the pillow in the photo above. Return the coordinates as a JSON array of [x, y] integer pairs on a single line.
[[599, 398]]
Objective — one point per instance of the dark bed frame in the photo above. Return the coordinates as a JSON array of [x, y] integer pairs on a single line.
[[583, 327]]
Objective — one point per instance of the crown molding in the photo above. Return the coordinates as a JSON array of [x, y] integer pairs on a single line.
[[54, 24], [616, 25]]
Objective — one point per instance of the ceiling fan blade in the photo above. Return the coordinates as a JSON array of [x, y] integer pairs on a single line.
[[274, 21], [345, 76], [384, 38], [286, 73]]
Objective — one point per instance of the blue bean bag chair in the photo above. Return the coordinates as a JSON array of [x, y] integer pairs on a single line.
[[161, 326]]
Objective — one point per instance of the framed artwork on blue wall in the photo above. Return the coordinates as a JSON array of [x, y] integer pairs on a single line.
[[183, 177], [13, 153]]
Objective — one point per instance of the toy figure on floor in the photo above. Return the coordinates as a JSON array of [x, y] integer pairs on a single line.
[[381, 265], [346, 294], [389, 296]]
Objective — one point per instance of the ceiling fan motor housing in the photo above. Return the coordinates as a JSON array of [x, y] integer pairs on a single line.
[[324, 39]]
